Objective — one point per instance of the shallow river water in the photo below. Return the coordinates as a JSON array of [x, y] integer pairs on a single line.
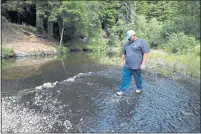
[[77, 94]]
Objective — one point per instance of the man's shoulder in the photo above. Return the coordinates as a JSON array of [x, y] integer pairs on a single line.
[[140, 39]]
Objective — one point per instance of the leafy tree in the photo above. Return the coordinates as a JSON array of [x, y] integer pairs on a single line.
[[127, 11], [108, 14], [94, 27], [72, 13], [161, 10], [154, 30], [21, 7], [187, 17], [180, 43]]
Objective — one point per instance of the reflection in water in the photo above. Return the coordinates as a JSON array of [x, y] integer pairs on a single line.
[[23, 67], [64, 66], [19, 74], [30, 66]]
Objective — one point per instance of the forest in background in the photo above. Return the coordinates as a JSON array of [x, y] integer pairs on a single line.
[[170, 25]]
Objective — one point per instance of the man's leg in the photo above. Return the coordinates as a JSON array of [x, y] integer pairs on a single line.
[[138, 78], [126, 78]]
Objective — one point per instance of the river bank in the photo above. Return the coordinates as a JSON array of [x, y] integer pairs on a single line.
[[167, 65], [22, 40]]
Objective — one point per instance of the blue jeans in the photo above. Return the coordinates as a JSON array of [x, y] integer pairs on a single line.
[[126, 78]]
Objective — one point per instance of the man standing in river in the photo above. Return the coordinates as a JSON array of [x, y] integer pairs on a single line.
[[133, 59]]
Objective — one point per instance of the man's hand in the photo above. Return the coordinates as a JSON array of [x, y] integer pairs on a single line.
[[122, 64], [122, 60], [144, 61], [142, 67]]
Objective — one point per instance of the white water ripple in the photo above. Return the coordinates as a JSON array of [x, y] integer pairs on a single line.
[[71, 79]]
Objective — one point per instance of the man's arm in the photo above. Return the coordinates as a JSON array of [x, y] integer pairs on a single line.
[[122, 60], [144, 60]]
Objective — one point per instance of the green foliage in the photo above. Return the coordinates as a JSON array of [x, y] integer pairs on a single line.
[[73, 14], [187, 18], [168, 28], [109, 11], [62, 56], [150, 31], [62, 53], [141, 27], [53, 13], [20, 6], [192, 63], [7, 52], [180, 43], [98, 43], [197, 50], [166, 64], [154, 29], [62, 50], [112, 40], [161, 10], [127, 11], [94, 23], [142, 7]]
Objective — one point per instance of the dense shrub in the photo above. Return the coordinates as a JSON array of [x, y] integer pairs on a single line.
[[197, 50], [180, 43], [62, 50], [7, 52], [149, 31]]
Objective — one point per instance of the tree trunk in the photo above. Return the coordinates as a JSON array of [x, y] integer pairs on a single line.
[[18, 13], [39, 25], [18, 18], [106, 28], [62, 32], [88, 39], [50, 28], [60, 24], [39, 20]]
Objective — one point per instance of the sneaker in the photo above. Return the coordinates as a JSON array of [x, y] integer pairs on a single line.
[[120, 93], [138, 91]]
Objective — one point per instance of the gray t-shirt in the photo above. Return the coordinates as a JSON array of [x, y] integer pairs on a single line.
[[134, 51]]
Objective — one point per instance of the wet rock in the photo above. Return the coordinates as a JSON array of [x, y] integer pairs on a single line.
[[70, 79], [39, 87], [80, 74], [55, 83], [48, 85]]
